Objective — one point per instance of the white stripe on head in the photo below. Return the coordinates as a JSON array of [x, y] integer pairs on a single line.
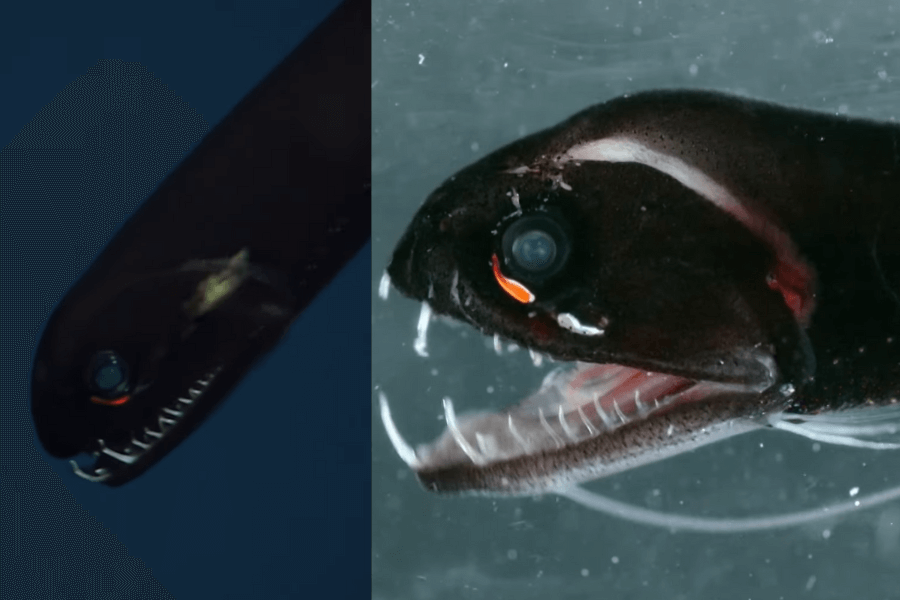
[[624, 149], [620, 149]]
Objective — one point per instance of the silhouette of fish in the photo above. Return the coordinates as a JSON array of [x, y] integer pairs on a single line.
[[706, 264], [211, 270]]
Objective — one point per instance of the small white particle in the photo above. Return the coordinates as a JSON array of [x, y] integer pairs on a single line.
[[585, 572], [854, 491], [615, 560], [421, 58], [693, 70]]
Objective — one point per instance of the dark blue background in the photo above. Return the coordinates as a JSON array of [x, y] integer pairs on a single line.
[[270, 498]]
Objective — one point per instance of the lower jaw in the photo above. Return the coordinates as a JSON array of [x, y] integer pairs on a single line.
[[565, 434]]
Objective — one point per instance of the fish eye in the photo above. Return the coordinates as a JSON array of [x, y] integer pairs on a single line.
[[535, 247], [107, 374], [534, 250]]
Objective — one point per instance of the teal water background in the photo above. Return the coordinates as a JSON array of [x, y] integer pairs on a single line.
[[453, 81]]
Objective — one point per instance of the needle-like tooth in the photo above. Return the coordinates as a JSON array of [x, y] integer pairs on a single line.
[[454, 288], [140, 444], [194, 393], [498, 346], [185, 400], [152, 433], [384, 286], [619, 412], [592, 431], [461, 441], [421, 343], [536, 359], [101, 474], [406, 452], [549, 430], [164, 421], [642, 409], [607, 420], [173, 412], [125, 458], [515, 433], [209, 377], [565, 426]]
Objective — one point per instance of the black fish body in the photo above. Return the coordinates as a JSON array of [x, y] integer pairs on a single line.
[[211, 270], [742, 252]]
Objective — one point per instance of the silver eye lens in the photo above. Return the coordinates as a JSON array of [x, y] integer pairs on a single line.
[[108, 373], [534, 250]]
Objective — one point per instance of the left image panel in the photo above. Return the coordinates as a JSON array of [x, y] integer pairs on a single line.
[[185, 220]]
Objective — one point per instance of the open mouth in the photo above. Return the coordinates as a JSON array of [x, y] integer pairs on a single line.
[[110, 460], [584, 421]]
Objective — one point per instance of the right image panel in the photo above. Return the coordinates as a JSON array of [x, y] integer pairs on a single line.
[[636, 300]]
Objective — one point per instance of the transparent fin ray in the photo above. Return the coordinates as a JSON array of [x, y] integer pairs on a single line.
[[677, 522], [874, 428]]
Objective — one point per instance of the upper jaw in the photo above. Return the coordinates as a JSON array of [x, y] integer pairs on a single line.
[[117, 463], [581, 416]]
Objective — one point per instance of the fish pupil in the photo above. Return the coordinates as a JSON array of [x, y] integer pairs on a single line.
[[108, 376], [536, 247], [534, 250], [108, 373]]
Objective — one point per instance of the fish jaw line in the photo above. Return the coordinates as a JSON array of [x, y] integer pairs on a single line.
[[109, 459], [585, 422]]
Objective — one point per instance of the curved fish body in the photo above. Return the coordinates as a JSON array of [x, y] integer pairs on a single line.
[[703, 261], [214, 266]]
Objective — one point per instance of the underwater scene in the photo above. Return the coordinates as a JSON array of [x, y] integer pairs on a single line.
[[630, 344]]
